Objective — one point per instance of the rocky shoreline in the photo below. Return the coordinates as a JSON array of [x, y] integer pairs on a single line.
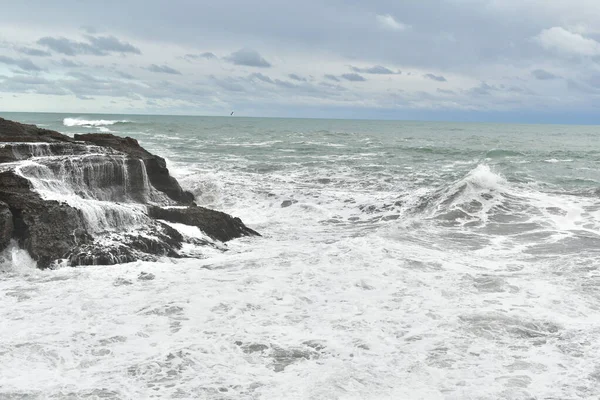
[[96, 199]]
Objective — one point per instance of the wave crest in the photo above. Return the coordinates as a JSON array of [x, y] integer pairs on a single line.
[[92, 123]]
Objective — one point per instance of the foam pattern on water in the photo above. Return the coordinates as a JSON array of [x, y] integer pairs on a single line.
[[398, 261]]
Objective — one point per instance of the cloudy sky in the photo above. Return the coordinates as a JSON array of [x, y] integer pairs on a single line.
[[480, 60]]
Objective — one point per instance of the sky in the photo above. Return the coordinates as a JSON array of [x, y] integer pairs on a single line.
[[464, 60]]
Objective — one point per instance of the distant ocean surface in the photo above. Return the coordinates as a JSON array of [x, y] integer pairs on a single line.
[[399, 260]]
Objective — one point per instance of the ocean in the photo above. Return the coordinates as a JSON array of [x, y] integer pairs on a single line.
[[399, 260]]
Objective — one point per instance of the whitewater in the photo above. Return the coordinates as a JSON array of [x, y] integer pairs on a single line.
[[399, 260]]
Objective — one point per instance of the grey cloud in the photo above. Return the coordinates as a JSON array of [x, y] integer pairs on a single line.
[[543, 75], [89, 29], [86, 77], [332, 77], [249, 58], [445, 91], [111, 44], [518, 90], [353, 77], [297, 78], [163, 69], [68, 63], [261, 77], [125, 75], [29, 80], [31, 84], [333, 86], [228, 84], [68, 47], [23, 63], [438, 78], [98, 46], [30, 51], [377, 70], [482, 90], [285, 84], [207, 56]]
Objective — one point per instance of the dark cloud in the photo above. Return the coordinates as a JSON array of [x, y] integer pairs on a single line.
[[23, 63], [353, 77], [543, 75], [30, 51], [332, 77], [249, 58], [97, 45], [297, 78], [438, 78], [377, 70], [163, 69], [206, 56]]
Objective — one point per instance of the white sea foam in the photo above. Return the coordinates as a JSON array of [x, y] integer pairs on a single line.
[[91, 122], [554, 160], [337, 299]]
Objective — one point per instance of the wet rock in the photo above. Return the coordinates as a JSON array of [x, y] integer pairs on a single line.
[[6, 225], [47, 229], [122, 282], [254, 348], [155, 241], [287, 203], [146, 276], [11, 131], [283, 358], [216, 224], [112, 169], [156, 166]]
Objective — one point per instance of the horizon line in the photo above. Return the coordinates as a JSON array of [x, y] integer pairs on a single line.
[[457, 121]]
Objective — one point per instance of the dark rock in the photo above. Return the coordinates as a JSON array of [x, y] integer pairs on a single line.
[[154, 241], [11, 131], [287, 203], [156, 166], [47, 229], [6, 225], [216, 224], [105, 225]]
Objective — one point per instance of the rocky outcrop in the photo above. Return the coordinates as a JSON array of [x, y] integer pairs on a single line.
[[46, 229], [95, 200], [156, 166], [11, 131], [216, 224], [6, 225]]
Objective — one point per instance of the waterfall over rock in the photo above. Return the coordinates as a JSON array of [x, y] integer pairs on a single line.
[[94, 199]]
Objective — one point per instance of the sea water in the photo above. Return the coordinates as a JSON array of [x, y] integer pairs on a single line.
[[399, 260]]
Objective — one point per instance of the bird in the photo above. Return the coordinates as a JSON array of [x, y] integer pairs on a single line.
[[231, 114]]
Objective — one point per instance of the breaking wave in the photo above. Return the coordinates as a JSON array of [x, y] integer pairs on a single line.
[[93, 122]]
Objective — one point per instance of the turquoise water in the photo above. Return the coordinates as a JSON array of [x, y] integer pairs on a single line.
[[426, 260]]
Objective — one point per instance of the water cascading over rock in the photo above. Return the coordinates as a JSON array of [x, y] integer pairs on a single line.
[[94, 199]]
